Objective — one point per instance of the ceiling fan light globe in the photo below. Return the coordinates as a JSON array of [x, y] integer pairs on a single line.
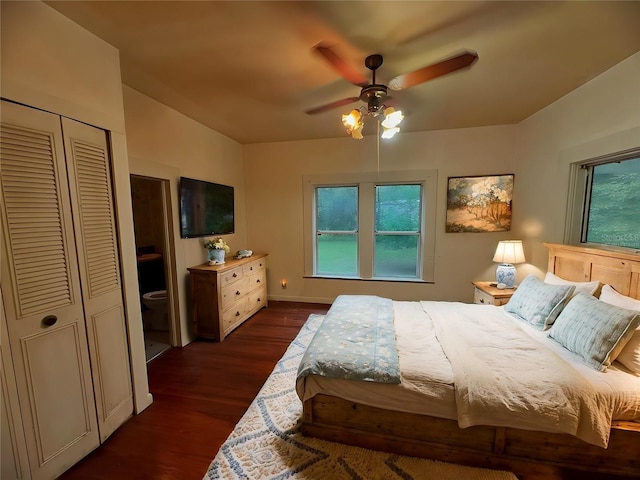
[[351, 119], [357, 133], [389, 132], [392, 119]]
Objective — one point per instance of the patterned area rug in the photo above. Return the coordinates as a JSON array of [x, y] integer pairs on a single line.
[[266, 443]]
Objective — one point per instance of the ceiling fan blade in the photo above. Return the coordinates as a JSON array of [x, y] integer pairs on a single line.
[[430, 72], [332, 105], [343, 68]]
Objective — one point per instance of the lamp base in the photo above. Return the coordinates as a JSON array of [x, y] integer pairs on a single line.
[[506, 273]]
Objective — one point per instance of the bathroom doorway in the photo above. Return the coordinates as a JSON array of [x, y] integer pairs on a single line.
[[151, 204]]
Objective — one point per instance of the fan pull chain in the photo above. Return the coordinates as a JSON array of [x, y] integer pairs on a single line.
[[378, 145]]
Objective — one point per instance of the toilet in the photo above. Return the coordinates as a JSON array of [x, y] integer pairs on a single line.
[[156, 317]]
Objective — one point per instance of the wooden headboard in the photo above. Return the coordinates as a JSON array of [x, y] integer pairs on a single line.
[[584, 264]]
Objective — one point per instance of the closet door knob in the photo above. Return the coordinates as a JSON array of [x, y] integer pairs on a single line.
[[49, 320]]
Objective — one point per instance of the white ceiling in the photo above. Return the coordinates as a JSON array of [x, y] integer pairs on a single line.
[[248, 70]]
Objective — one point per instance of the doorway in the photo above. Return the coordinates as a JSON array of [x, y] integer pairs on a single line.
[[151, 205]]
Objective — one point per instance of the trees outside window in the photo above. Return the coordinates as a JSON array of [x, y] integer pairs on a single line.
[[604, 201], [612, 210], [370, 226]]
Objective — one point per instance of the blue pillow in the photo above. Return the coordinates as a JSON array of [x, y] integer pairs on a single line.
[[594, 330], [539, 303]]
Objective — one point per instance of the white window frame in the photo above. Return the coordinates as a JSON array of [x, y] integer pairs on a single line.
[[366, 183], [579, 181]]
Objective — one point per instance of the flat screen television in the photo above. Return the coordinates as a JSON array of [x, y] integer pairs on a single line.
[[205, 208]]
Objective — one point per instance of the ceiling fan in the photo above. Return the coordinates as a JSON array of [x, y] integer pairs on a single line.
[[375, 94]]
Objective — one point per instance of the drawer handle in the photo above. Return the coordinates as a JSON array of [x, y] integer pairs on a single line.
[[482, 300], [250, 268], [258, 281], [234, 275], [258, 300], [49, 320], [237, 292], [237, 314]]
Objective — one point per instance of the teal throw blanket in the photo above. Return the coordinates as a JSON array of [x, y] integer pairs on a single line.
[[356, 341]]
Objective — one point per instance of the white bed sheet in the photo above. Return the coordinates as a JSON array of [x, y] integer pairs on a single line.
[[427, 379]]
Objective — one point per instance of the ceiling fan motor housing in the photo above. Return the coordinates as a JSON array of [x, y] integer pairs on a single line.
[[373, 96]]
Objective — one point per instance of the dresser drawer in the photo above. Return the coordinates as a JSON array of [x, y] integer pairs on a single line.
[[482, 297], [258, 279], [235, 315], [257, 298], [485, 298], [231, 276], [254, 267], [233, 292]]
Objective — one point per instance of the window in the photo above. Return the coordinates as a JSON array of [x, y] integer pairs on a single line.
[[337, 231], [606, 201], [397, 230], [370, 226]]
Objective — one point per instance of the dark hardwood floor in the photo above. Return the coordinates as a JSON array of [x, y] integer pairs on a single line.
[[200, 392]]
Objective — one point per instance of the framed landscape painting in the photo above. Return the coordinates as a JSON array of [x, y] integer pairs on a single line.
[[479, 204]]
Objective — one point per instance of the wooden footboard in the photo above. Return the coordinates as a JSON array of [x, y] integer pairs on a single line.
[[520, 451]]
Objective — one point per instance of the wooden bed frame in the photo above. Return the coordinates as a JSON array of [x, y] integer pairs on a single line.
[[520, 451]]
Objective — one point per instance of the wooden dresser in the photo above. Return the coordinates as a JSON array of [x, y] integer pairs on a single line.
[[226, 295]]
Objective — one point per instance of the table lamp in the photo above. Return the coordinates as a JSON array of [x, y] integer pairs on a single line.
[[508, 253]]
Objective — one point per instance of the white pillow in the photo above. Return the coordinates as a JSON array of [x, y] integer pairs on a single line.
[[595, 331], [587, 287], [612, 297], [630, 354]]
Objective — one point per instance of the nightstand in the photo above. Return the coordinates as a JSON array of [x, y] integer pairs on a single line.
[[486, 294]]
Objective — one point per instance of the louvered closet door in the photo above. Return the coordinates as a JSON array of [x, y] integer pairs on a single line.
[[92, 205], [42, 295]]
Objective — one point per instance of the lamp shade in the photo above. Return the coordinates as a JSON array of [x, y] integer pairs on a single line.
[[509, 251]]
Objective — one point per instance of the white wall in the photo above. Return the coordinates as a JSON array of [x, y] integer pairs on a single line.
[[51, 63], [58, 66], [601, 117], [274, 174], [163, 143]]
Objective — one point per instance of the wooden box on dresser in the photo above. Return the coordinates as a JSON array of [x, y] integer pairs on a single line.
[[226, 295]]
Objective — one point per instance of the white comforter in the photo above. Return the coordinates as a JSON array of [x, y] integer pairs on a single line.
[[504, 377]]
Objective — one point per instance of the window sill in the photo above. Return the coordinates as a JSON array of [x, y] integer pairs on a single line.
[[378, 279]]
